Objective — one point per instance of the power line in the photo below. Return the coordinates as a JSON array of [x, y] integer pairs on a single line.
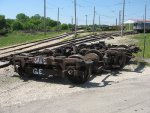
[[83, 6], [104, 15], [88, 1]]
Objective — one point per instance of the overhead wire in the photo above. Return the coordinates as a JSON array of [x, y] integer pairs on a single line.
[[90, 4]]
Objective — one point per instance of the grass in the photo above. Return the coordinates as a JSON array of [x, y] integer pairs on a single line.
[[18, 37], [140, 43]]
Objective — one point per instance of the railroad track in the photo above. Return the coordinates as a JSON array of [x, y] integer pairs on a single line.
[[44, 46], [30, 44], [87, 39], [38, 41], [53, 43]]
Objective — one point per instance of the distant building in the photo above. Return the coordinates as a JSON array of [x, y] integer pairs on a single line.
[[137, 25]]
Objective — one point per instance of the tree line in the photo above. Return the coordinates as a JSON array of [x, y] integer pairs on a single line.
[[33, 23]]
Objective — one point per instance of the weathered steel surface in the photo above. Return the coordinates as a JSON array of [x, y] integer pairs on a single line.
[[76, 61], [77, 67]]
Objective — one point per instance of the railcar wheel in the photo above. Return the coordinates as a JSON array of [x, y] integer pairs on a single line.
[[23, 74], [77, 56], [81, 78], [82, 46], [122, 60], [96, 56], [83, 74], [96, 52]]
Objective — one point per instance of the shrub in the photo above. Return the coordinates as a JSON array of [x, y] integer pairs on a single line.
[[17, 25]]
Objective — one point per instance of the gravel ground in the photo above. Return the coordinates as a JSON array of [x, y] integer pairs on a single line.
[[128, 96], [122, 40], [16, 91]]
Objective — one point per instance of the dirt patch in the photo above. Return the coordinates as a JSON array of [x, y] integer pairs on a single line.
[[122, 40]]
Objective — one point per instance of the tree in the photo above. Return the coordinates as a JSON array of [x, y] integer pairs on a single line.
[[41, 26], [17, 25], [28, 26], [50, 22], [64, 27], [36, 20], [22, 17], [70, 26], [36, 17], [9, 23], [2, 22], [24, 22]]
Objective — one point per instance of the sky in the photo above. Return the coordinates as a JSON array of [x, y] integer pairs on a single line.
[[108, 10]]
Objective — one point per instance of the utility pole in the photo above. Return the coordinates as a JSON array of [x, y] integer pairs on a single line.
[[72, 21], [45, 18], [58, 20], [75, 12], [75, 16], [145, 21], [99, 22], [72, 24], [122, 26], [94, 21], [86, 20], [77, 23], [120, 20], [116, 22], [144, 31]]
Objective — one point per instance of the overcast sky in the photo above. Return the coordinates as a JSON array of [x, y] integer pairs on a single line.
[[108, 9]]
